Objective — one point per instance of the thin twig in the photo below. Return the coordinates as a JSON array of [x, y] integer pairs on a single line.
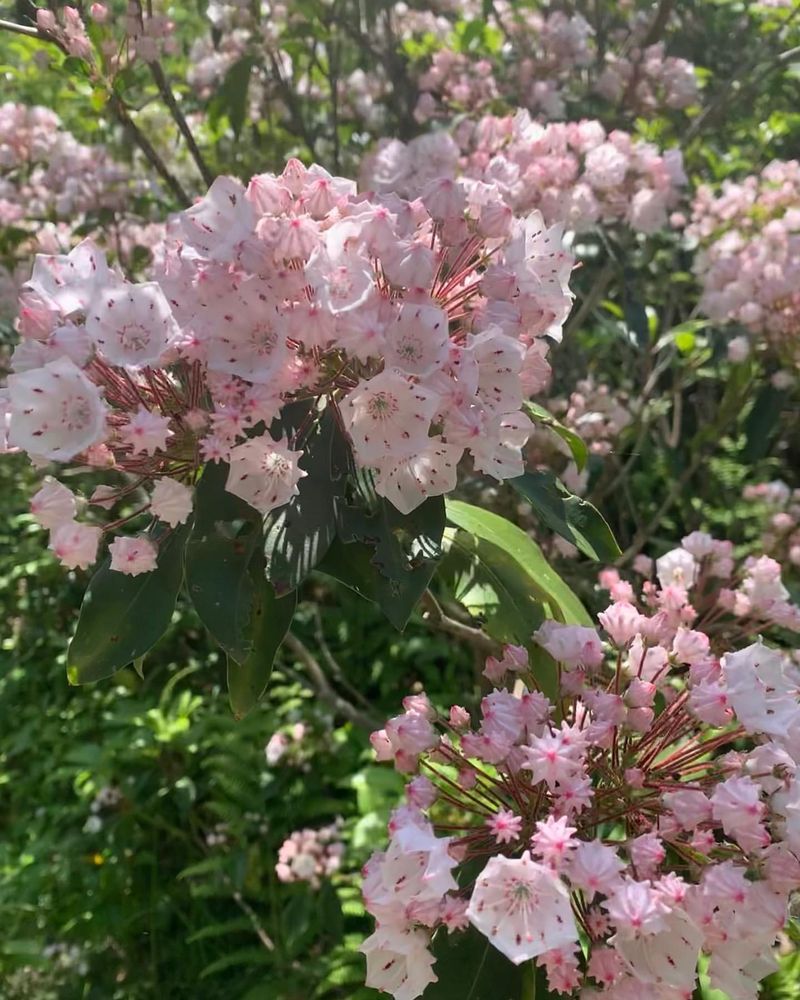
[[122, 114], [168, 97], [324, 689], [436, 618]]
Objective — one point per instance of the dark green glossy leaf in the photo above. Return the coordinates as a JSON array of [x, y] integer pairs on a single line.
[[576, 444], [297, 536], [763, 421], [122, 616], [231, 98], [272, 617], [226, 533], [471, 968], [572, 517], [502, 558], [352, 564], [388, 557]]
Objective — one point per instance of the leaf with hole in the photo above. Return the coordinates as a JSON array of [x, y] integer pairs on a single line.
[[122, 617], [225, 535], [272, 617]]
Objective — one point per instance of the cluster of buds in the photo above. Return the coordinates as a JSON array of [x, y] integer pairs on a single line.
[[422, 326], [612, 815], [311, 855]]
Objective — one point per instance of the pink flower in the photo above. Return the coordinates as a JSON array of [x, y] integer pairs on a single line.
[[133, 555], [146, 432], [75, 545], [572, 645], [553, 841], [595, 868], [505, 826], [622, 622], [635, 908]]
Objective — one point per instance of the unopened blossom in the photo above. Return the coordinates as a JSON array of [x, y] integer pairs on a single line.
[[146, 432], [505, 826], [171, 501], [133, 555], [74, 544], [53, 504]]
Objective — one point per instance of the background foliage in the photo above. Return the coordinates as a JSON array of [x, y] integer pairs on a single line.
[[166, 886]]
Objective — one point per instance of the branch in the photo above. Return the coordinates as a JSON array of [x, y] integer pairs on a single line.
[[31, 32], [436, 618], [323, 687], [168, 97], [122, 114]]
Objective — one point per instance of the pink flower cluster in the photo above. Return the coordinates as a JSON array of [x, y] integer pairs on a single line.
[[422, 325], [781, 538], [45, 171], [574, 173], [748, 260], [534, 68], [311, 855], [700, 585], [634, 806], [648, 79]]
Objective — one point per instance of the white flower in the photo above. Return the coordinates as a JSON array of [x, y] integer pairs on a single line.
[[220, 221], [398, 962], [523, 908], [56, 412], [69, 282], [388, 418], [171, 501], [264, 473], [676, 568], [131, 325]]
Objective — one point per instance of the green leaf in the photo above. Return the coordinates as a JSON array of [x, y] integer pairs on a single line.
[[471, 968], [225, 535], [122, 617], [580, 453], [572, 517], [297, 536], [388, 557], [498, 563], [272, 616], [231, 98], [763, 421]]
